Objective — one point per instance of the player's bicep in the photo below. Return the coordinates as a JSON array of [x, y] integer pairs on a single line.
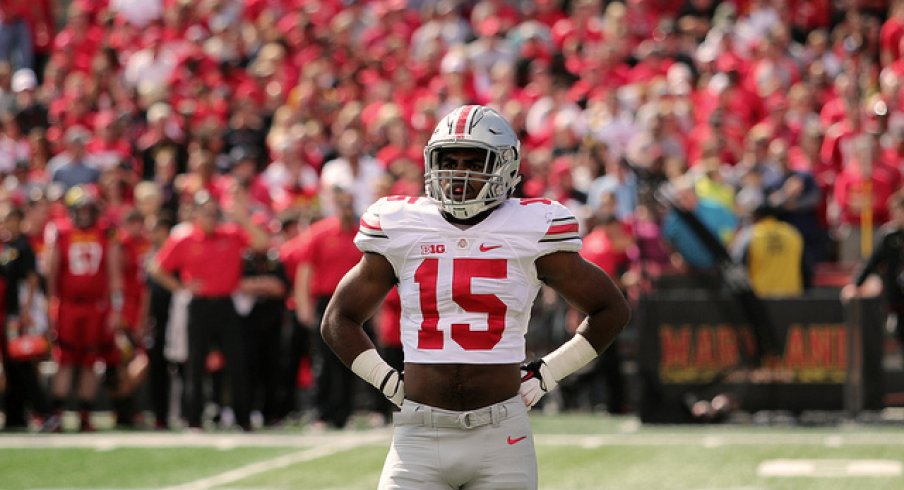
[[584, 285], [363, 289]]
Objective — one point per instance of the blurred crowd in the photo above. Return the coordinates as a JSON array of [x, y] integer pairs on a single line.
[[126, 126]]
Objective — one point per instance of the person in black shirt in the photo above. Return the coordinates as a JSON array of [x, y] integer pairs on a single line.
[[17, 269], [264, 286], [159, 370], [887, 260]]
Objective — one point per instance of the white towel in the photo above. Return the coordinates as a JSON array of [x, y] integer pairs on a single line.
[[176, 348]]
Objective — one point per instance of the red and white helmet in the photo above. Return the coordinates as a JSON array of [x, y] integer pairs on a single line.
[[473, 126]]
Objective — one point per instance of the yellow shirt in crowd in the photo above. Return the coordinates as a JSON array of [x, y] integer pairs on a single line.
[[774, 256]]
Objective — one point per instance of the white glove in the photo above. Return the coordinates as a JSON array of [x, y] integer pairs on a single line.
[[536, 381], [543, 375]]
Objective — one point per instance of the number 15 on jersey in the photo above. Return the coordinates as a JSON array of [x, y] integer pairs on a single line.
[[464, 270]]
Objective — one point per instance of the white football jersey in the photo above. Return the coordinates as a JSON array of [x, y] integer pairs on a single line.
[[466, 294]]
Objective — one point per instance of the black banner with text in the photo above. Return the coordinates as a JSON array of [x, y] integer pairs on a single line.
[[698, 344]]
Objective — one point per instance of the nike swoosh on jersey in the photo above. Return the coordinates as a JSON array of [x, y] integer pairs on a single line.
[[515, 440], [487, 248]]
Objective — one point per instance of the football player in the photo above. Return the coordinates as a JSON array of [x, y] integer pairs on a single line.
[[468, 261], [84, 283]]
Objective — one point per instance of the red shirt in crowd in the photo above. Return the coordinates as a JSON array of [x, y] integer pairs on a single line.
[[331, 252], [212, 260], [852, 191], [600, 250], [890, 37], [134, 251]]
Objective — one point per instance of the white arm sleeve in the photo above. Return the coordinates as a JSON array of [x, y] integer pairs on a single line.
[[370, 367]]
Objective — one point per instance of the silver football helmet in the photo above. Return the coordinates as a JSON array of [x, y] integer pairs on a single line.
[[473, 126]]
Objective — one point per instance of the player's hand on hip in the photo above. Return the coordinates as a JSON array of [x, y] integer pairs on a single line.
[[393, 387], [536, 381]]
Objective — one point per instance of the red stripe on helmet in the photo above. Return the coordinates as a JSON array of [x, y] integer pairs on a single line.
[[463, 119]]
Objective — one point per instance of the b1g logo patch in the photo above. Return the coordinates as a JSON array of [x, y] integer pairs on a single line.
[[433, 248]]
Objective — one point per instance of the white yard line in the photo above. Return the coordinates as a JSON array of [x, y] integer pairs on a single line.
[[109, 441], [279, 462], [829, 468]]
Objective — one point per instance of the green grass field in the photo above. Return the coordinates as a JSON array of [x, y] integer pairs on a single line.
[[575, 452]]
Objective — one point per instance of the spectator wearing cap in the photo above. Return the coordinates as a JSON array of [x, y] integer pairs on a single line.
[[72, 167], [31, 113], [206, 260]]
